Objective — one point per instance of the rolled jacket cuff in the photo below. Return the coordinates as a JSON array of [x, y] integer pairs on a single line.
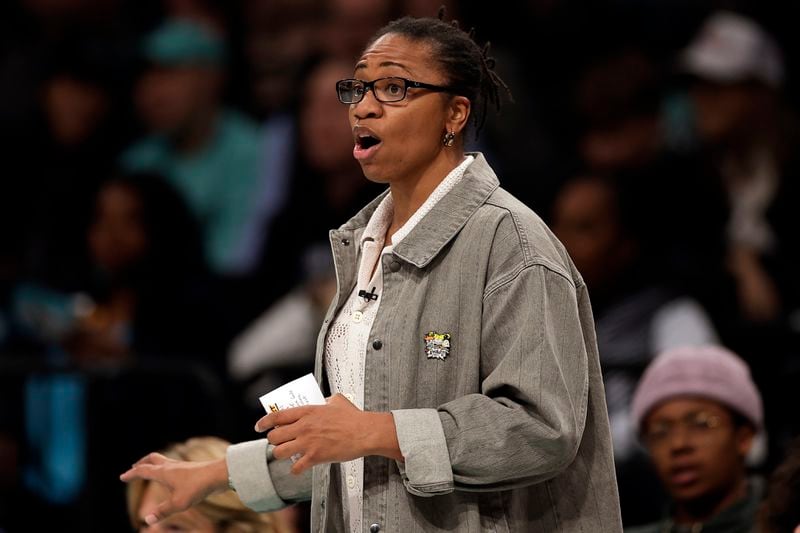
[[426, 470], [248, 472]]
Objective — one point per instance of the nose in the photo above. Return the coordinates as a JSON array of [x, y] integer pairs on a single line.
[[679, 439], [369, 106]]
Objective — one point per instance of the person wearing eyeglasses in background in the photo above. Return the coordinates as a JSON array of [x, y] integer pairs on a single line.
[[698, 411], [459, 351]]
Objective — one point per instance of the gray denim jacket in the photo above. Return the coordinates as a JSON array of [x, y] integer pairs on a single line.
[[505, 429]]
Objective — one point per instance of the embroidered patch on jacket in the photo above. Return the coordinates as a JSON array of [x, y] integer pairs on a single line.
[[437, 345]]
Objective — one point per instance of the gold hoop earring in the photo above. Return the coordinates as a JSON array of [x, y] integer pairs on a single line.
[[449, 138]]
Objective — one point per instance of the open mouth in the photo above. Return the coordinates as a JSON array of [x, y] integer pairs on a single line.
[[367, 143], [684, 476]]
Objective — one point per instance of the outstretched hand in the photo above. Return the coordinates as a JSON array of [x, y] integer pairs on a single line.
[[188, 483], [336, 432]]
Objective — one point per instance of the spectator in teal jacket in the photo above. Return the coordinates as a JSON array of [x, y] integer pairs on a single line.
[[210, 154]]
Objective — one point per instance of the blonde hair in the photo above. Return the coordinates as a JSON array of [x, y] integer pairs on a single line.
[[224, 509]]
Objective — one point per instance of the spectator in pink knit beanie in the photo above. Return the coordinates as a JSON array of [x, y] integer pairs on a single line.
[[697, 411]]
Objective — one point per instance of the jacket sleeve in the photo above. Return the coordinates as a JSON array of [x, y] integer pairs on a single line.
[[526, 424], [262, 483]]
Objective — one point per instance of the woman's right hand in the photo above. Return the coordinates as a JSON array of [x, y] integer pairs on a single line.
[[188, 483]]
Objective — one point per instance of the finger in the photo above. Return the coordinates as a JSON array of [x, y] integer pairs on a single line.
[[282, 434], [151, 459], [282, 418], [284, 451], [302, 464], [148, 472], [264, 423], [164, 510]]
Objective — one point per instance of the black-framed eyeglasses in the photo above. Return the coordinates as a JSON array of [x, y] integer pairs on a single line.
[[387, 90]]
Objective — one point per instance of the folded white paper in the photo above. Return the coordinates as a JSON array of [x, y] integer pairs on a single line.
[[302, 391]]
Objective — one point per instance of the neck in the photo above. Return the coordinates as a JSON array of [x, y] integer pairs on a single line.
[[197, 133], [409, 194], [704, 509]]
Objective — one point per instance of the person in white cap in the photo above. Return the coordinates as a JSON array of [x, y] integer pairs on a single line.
[[698, 411], [737, 73]]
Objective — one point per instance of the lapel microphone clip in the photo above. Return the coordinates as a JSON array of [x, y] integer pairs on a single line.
[[368, 296]]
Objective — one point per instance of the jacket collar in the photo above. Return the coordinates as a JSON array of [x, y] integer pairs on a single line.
[[446, 218]]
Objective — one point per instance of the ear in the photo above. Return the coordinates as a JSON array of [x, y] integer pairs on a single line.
[[458, 111], [744, 439]]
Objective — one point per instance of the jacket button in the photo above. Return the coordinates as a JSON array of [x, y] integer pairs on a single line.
[[377, 345], [374, 528], [394, 266], [346, 242]]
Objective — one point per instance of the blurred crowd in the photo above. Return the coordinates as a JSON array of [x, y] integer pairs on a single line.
[[171, 170]]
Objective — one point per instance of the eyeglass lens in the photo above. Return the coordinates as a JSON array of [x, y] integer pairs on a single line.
[[384, 89], [695, 424]]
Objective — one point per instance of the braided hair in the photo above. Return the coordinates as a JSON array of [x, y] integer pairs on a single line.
[[468, 67]]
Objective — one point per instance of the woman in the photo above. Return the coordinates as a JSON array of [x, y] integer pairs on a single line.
[[220, 513], [148, 278], [459, 350]]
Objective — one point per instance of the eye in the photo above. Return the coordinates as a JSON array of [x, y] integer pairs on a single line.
[[658, 432], [704, 421], [394, 89], [358, 90]]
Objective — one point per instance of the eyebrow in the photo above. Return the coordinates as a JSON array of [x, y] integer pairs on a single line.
[[362, 65]]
